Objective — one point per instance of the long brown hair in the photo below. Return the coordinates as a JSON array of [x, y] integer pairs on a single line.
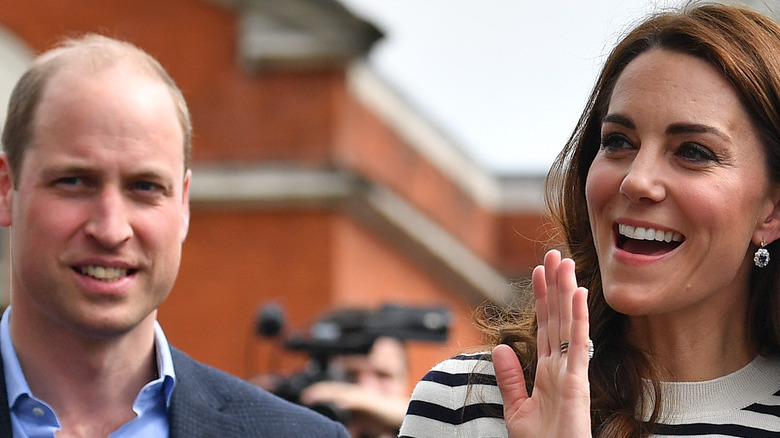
[[745, 47]]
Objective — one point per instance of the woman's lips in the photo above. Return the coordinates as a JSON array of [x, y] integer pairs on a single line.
[[647, 241]]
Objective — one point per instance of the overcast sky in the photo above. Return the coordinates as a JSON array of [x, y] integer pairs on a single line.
[[506, 79]]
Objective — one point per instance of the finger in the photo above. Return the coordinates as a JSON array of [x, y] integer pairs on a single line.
[[578, 346], [540, 293], [509, 375], [552, 261], [567, 284]]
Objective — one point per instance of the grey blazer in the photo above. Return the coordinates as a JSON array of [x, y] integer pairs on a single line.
[[208, 403]]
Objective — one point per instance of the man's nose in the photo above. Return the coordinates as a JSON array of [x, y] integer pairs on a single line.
[[109, 222]]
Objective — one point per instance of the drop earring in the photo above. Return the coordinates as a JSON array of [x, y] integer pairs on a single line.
[[761, 257]]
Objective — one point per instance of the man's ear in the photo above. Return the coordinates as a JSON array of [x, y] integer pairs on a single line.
[[185, 207], [6, 191]]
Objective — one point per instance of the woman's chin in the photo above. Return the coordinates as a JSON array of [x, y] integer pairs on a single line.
[[629, 303]]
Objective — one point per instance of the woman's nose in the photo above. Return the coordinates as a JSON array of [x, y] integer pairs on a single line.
[[643, 181]]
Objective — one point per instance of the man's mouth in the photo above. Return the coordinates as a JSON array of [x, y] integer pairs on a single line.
[[647, 241], [104, 273]]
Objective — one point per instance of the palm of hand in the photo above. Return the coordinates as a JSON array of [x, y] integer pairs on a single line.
[[559, 406]]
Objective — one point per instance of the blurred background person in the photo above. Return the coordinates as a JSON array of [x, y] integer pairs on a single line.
[[358, 368], [374, 393]]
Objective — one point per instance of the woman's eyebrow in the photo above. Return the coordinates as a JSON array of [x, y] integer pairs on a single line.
[[618, 119], [696, 128]]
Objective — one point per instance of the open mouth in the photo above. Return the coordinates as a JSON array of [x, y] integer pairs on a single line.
[[104, 273], [647, 241]]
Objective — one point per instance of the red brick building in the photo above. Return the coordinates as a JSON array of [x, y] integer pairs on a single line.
[[315, 185]]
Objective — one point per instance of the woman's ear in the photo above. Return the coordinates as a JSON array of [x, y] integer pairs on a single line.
[[6, 191], [768, 230]]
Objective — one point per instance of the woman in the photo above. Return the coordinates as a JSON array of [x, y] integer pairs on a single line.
[[667, 196]]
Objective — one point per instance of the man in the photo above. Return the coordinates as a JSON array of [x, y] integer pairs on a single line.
[[94, 185], [375, 392]]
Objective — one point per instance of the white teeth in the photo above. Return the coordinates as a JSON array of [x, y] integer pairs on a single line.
[[103, 273], [640, 233]]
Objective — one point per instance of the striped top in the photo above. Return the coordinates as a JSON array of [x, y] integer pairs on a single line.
[[459, 398]]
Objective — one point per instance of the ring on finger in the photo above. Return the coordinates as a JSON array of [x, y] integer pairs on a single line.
[[591, 349]]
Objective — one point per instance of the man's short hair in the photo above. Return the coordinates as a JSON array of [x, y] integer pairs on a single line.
[[92, 53]]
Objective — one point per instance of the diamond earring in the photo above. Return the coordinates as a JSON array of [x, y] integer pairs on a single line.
[[761, 257]]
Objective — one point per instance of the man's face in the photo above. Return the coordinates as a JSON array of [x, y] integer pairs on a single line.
[[383, 370], [101, 207]]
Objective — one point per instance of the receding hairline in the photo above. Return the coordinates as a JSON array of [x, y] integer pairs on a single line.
[[92, 54]]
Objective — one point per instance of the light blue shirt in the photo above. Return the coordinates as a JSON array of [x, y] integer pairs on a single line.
[[33, 418]]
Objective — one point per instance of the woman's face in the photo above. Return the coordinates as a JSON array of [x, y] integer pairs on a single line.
[[678, 190]]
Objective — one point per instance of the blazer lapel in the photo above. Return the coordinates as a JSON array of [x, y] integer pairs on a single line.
[[5, 412], [196, 407]]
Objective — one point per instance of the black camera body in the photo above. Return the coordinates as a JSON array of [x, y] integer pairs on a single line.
[[347, 332]]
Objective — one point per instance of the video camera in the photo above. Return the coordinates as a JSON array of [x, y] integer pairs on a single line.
[[347, 332]]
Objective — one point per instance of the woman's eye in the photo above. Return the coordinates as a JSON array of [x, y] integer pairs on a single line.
[[696, 153], [615, 142]]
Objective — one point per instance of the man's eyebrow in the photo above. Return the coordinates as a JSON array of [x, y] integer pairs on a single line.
[[162, 178], [76, 169], [57, 171]]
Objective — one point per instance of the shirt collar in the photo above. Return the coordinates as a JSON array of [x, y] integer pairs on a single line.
[[16, 384], [164, 362]]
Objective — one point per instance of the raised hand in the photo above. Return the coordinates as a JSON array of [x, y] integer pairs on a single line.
[[559, 406]]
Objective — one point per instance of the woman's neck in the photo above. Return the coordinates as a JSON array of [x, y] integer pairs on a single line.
[[696, 347]]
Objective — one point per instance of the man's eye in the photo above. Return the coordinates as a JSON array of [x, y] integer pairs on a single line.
[[146, 186], [70, 181]]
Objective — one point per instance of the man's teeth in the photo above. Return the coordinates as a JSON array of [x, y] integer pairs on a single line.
[[640, 233], [103, 273]]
